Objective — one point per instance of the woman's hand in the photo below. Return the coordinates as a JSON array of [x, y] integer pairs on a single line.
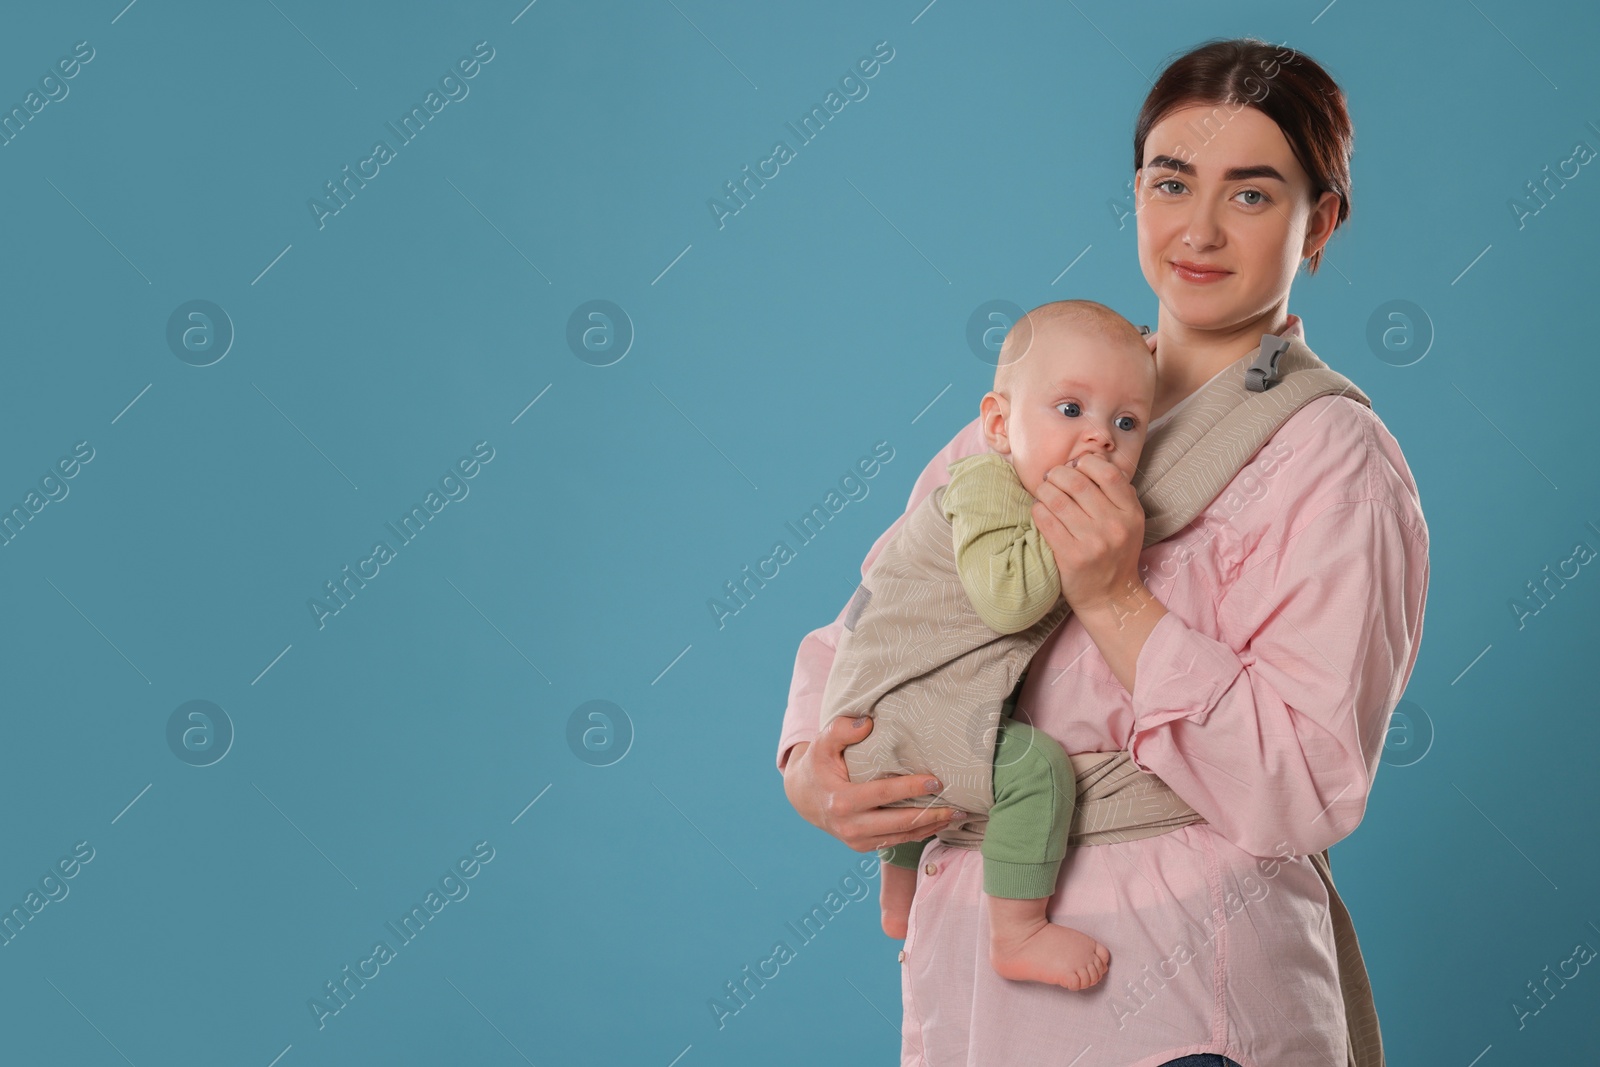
[[818, 784], [1091, 518]]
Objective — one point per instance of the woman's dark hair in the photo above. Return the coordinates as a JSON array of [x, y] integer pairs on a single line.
[[1289, 87]]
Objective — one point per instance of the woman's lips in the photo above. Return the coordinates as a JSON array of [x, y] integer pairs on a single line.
[[1190, 274]]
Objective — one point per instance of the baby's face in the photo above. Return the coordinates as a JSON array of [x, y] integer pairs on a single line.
[[1078, 393]]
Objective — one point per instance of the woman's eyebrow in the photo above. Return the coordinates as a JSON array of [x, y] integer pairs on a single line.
[[1232, 174]]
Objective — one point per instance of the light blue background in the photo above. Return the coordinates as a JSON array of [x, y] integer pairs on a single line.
[[432, 710]]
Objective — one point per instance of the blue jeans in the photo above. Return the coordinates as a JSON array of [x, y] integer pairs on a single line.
[[1201, 1059]]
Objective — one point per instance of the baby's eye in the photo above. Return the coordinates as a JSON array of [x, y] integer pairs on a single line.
[[1126, 422], [1073, 404]]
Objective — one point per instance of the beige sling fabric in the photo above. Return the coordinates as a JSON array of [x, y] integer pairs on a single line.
[[916, 656]]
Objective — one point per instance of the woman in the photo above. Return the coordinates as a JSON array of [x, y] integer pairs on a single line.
[[1250, 660]]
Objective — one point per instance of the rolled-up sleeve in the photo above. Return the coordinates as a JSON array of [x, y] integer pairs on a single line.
[[1273, 731], [815, 656]]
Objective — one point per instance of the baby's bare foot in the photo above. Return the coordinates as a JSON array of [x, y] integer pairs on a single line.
[[1026, 947]]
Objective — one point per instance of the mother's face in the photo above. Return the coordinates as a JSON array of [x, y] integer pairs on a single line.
[[1222, 189]]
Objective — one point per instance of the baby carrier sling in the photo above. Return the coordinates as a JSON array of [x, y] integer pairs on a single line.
[[1186, 463]]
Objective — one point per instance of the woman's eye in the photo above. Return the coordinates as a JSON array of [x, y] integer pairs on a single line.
[[1125, 422], [1072, 414], [1164, 182], [1255, 192]]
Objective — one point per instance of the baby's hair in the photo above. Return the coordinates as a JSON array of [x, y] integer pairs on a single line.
[[1084, 315]]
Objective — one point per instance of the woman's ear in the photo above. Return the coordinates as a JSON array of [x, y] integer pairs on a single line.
[[1319, 227], [993, 411]]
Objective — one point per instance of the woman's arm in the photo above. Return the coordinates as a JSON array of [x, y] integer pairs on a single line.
[[1273, 733], [1272, 729]]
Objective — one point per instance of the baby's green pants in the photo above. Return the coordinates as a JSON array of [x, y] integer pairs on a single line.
[[1026, 837]]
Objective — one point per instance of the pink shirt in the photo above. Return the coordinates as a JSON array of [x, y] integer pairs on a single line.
[[1262, 697]]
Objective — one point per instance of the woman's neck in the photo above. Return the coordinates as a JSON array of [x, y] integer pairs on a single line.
[[1187, 358]]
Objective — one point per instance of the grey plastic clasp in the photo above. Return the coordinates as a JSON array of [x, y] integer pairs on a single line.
[[1144, 331], [1263, 372]]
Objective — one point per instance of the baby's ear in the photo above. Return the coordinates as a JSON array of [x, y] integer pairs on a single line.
[[992, 413]]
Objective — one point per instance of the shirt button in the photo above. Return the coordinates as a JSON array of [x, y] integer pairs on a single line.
[[902, 955], [932, 868]]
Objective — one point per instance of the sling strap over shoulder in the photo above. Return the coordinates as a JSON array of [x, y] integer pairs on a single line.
[[1192, 457]]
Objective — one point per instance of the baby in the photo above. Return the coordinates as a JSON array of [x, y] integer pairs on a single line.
[[1074, 377]]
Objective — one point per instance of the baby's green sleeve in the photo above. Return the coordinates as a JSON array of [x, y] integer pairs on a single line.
[[1008, 570]]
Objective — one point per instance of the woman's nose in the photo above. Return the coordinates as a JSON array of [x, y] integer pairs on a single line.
[[1202, 230]]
